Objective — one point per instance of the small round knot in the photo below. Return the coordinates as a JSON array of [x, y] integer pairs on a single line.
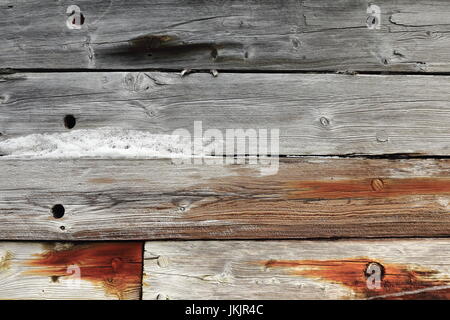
[[324, 122], [377, 184], [3, 99], [295, 43], [382, 137]]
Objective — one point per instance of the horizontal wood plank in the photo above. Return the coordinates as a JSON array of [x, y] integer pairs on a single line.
[[162, 199], [231, 34], [316, 114], [33, 270], [406, 269]]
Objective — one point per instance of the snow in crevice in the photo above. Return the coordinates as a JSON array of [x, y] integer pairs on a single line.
[[104, 143]]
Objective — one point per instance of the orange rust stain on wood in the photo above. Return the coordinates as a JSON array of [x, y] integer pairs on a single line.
[[368, 188], [116, 267], [397, 281]]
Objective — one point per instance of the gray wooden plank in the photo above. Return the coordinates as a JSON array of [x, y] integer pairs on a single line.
[[402, 269], [33, 270], [227, 34], [162, 199], [316, 114]]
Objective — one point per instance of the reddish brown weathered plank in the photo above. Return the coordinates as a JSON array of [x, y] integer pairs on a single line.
[[375, 269], [70, 270], [159, 199]]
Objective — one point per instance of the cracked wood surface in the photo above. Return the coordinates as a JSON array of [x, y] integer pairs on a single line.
[[317, 114], [228, 34], [158, 199], [310, 197], [407, 269], [50, 270]]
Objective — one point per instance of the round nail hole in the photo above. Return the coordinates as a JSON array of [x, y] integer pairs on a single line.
[[58, 211], [69, 121]]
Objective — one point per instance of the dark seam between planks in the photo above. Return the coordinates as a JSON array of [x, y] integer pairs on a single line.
[[320, 239], [349, 72], [388, 156], [141, 287]]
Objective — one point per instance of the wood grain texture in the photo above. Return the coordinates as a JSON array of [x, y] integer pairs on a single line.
[[227, 34], [33, 270], [157, 199], [411, 269], [317, 114]]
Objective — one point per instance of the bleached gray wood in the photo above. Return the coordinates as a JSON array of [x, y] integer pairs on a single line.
[[237, 270], [317, 114], [227, 34], [159, 199]]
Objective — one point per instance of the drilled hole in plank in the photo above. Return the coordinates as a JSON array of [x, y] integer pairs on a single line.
[[58, 211], [69, 121]]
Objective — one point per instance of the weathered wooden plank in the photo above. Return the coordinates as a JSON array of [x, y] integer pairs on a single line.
[[317, 114], [32, 270], [402, 269], [160, 199], [242, 34]]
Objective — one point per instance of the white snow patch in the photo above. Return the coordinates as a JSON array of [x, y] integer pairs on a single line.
[[104, 142]]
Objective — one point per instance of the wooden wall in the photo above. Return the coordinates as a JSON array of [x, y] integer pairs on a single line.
[[89, 102]]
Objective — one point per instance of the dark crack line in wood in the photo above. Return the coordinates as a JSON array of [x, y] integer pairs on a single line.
[[394, 156], [323, 239], [347, 72]]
